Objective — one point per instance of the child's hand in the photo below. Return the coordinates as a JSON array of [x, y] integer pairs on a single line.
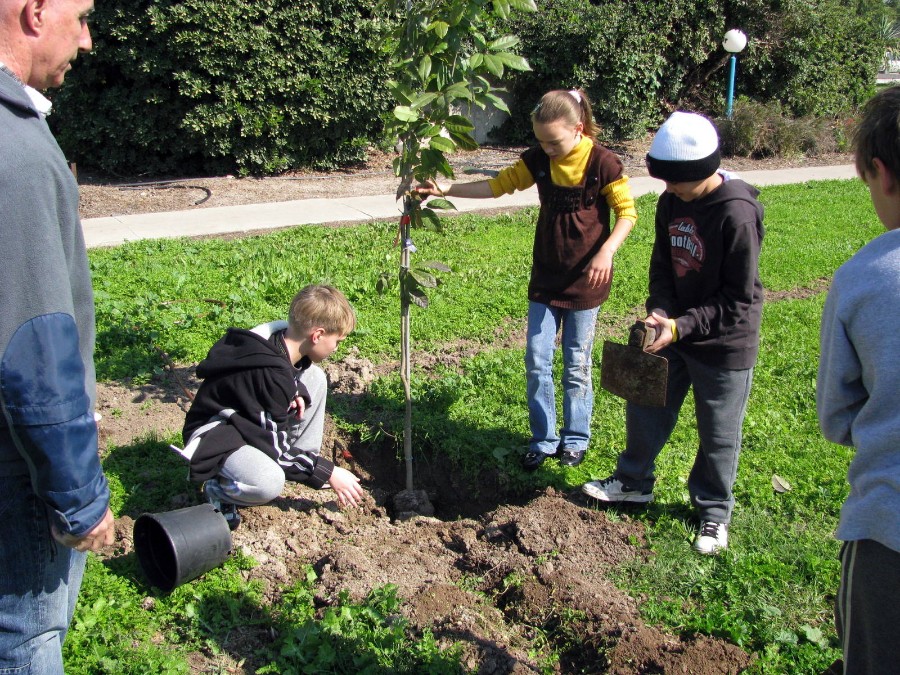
[[660, 321], [429, 189], [346, 486], [298, 405], [600, 272]]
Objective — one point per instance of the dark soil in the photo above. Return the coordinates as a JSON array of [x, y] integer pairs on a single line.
[[484, 571]]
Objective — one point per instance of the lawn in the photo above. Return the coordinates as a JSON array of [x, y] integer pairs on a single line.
[[770, 593]]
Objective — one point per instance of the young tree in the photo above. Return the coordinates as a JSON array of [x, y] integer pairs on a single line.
[[444, 53]]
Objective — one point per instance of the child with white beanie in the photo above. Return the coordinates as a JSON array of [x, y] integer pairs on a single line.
[[705, 303]]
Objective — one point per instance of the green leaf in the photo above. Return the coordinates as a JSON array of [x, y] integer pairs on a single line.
[[424, 278], [458, 124], [425, 68], [430, 221], [421, 100], [405, 113], [514, 61], [496, 101], [418, 296], [440, 203], [442, 144], [476, 60], [458, 90], [434, 161], [440, 28], [501, 7], [435, 265], [465, 141], [493, 64], [503, 43], [524, 5]]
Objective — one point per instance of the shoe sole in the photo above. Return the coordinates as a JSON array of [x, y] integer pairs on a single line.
[[623, 499]]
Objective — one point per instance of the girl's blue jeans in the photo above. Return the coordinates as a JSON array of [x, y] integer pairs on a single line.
[[577, 342], [39, 583]]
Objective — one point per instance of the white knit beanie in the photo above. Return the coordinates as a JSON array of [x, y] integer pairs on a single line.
[[686, 148]]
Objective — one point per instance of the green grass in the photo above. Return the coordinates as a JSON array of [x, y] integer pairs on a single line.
[[770, 593]]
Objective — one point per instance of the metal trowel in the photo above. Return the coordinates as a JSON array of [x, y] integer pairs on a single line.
[[630, 372]]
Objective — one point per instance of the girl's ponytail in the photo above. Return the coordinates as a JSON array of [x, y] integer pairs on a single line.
[[572, 106]]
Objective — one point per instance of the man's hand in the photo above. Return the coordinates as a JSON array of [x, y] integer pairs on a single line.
[[103, 534], [346, 486]]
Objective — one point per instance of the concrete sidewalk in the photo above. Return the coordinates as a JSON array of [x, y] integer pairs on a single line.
[[116, 230]]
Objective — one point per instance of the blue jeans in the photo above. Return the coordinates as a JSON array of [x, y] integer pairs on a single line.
[[578, 328], [720, 403], [39, 583]]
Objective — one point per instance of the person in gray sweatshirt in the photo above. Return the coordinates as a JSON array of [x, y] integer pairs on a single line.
[[858, 403], [54, 498]]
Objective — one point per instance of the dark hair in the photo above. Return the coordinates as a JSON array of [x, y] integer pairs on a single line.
[[571, 105], [878, 133]]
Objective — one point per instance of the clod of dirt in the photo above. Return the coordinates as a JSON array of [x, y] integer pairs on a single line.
[[411, 503]]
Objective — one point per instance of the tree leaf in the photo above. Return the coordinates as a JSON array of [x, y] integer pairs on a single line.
[[434, 161], [440, 28], [405, 113], [524, 5], [425, 68], [496, 101], [476, 60], [459, 124], [442, 144], [493, 64], [513, 61], [418, 296], [430, 220], [465, 141], [435, 265], [503, 43], [501, 7], [424, 278], [779, 484], [439, 203], [458, 90]]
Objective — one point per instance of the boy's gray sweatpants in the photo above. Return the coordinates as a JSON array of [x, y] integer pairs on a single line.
[[867, 608], [720, 403], [249, 476]]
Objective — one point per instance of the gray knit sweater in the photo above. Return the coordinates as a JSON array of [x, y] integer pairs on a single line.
[[47, 384]]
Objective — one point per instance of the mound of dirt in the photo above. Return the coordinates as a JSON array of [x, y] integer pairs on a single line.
[[482, 573]]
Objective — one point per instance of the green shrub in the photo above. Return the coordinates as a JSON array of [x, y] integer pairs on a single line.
[[252, 86], [764, 130], [639, 60]]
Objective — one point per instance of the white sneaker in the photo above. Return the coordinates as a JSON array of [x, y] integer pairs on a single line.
[[712, 538], [613, 490]]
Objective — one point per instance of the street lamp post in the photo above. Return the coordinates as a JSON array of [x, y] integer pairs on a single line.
[[734, 42]]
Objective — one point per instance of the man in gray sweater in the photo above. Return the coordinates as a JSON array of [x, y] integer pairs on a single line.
[[54, 498], [858, 401]]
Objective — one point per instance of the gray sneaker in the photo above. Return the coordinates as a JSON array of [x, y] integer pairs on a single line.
[[613, 490], [229, 511]]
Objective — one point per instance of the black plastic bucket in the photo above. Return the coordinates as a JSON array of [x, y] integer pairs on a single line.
[[177, 546]]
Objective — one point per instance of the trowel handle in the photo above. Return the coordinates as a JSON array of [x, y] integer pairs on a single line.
[[641, 335]]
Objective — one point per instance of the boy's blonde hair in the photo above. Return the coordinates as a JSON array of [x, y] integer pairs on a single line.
[[878, 133], [321, 306], [569, 105]]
